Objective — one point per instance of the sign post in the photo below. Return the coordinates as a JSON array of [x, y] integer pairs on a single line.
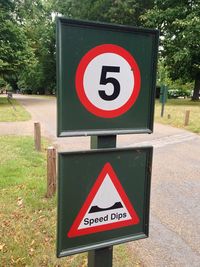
[[106, 76], [163, 98], [102, 257]]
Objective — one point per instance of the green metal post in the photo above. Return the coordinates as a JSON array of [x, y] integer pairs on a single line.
[[102, 257], [162, 99], [103, 141], [162, 109]]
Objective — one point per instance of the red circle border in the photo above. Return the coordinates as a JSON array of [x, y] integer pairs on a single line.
[[86, 59]]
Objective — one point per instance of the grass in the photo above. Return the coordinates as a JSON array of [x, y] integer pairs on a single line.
[[176, 108], [12, 111], [27, 218]]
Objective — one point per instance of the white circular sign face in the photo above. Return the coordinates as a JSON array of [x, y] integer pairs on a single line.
[[92, 77], [108, 81]]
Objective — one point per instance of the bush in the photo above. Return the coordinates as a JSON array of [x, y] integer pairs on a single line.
[[2, 83], [175, 93], [26, 91]]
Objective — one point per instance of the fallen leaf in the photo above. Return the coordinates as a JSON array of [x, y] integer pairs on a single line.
[[20, 202], [2, 246]]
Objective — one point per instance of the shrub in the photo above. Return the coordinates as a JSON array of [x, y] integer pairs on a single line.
[[175, 93]]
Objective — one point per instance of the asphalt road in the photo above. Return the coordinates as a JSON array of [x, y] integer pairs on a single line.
[[175, 191]]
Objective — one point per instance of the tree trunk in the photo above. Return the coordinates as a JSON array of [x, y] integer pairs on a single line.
[[196, 88], [14, 86]]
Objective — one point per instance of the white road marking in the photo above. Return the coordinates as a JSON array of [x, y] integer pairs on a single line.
[[168, 140]]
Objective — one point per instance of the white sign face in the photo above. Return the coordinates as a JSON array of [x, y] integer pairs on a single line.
[[108, 81], [116, 81], [106, 207]]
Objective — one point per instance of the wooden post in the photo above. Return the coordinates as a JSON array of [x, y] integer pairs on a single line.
[[37, 136], [51, 171], [187, 116]]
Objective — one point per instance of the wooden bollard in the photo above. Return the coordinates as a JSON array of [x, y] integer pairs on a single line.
[[37, 136], [187, 116], [51, 171]]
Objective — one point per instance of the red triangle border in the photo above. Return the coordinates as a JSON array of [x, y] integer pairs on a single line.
[[107, 169]]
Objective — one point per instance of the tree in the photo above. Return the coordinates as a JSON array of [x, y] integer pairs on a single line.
[[114, 11], [13, 45], [40, 74], [179, 25], [27, 51]]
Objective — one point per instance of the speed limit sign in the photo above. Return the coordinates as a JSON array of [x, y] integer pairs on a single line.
[[107, 80], [106, 77]]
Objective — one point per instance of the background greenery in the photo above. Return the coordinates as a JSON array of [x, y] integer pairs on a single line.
[[27, 36]]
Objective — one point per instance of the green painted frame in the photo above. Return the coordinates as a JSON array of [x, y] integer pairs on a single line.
[[74, 39], [77, 173]]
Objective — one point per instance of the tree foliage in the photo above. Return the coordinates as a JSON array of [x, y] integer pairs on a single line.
[[27, 45], [179, 25], [14, 50], [114, 11], [39, 76]]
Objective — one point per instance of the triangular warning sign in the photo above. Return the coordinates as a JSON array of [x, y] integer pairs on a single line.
[[107, 207]]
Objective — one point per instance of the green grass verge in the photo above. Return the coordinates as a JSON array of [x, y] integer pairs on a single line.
[[27, 218], [12, 111], [176, 108]]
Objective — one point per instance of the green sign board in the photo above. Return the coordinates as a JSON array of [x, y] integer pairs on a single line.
[[105, 78], [103, 198]]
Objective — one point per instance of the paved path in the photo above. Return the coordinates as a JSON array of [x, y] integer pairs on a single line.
[[175, 192]]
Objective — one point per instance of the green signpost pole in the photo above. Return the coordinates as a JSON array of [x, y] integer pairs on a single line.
[[163, 98], [162, 109], [102, 257], [103, 141]]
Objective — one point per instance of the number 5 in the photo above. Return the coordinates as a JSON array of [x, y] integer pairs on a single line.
[[104, 81]]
